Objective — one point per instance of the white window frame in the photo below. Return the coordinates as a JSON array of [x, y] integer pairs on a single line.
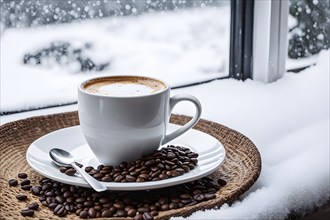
[[270, 39]]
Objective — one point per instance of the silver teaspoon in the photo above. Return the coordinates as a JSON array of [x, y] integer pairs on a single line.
[[64, 158]]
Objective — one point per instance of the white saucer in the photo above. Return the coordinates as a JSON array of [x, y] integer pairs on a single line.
[[210, 150]]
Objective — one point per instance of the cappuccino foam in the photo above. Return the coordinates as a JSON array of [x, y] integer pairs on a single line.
[[124, 86]]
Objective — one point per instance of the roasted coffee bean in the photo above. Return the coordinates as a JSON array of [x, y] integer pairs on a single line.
[[193, 155], [163, 176], [27, 212], [185, 196], [162, 200], [138, 217], [67, 194], [33, 206], [70, 200], [13, 182], [93, 172], [26, 187], [104, 172], [50, 193], [209, 196], [106, 213], [197, 191], [78, 211], [147, 216], [130, 178], [186, 201], [98, 207], [92, 212], [149, 162], [83, 214], [143, 209], [63, 169], [104, 200], [155, 174], [175, 173], [170, 155], [119, 178], [52, 206], [50, 200], [88, 203], [161, 166], [88, 169], [222, 182], [21, 197], [25, 182], [98, 176], [131, 212], [199, 197], [107, 179], [164, 207], [144, 176], [180, 170], [172, 205], [80, 200], [60, 199], [46, 187], [22, 175], [79, 164], [119, 205], [60, 210], [73, 189], [175, 199], [70, 172], [153, 207], [121, 213], [35, 190], [154, 213]]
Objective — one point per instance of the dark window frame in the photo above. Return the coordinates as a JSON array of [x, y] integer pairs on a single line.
[[241, 39]]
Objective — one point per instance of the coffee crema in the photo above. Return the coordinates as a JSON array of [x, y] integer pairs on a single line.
[[124, 86]]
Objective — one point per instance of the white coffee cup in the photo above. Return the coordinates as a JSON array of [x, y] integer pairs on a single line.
[[125, 117]]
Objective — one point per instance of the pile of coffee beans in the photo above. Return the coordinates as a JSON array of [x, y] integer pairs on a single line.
[[170, 161], [64, 199]]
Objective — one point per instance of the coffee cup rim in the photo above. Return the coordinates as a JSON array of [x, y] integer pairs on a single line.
[[81, 85]]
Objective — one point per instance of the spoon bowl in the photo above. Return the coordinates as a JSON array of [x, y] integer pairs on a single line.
[[63, 158]]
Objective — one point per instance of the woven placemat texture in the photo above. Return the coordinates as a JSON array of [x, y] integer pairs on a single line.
[[241, 168]]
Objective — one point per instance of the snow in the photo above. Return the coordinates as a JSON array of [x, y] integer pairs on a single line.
[[289, 122], [144, 45], [291, 64]]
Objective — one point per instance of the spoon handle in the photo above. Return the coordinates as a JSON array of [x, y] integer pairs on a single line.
[[95, 184]]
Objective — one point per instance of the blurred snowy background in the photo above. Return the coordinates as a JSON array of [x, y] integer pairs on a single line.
[[51, 46]]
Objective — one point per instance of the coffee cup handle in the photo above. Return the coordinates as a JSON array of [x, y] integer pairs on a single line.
[[175, 100]]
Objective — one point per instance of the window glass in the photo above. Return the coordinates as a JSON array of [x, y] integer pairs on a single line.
[[48, 47], [309, 31]]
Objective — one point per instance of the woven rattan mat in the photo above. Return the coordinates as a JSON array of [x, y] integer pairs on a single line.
[[241, 168]]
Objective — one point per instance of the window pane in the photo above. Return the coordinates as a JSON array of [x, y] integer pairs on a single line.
[[53, 45], [309, 31]]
